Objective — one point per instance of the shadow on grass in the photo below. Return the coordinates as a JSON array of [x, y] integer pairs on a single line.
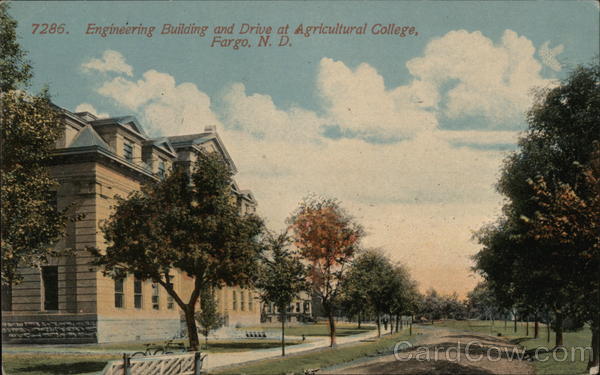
[[519, 340], [62, 368], [245, 345]]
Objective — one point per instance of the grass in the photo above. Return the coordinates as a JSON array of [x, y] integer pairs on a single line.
[[66, 362], [214, 346], [547, 363], [328, 357], [55, 364], [316, 329]]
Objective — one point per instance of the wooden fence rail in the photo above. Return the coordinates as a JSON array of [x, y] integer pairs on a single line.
[[168, 364]]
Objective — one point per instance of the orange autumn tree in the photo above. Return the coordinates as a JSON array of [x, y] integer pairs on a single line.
[[327, 238]]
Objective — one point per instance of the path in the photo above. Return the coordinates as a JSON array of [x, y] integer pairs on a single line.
[[216, 360], [447, 355]]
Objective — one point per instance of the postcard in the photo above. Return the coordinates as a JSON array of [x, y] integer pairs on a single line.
[[331, 187]]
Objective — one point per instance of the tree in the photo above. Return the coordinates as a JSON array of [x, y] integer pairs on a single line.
[[30, 226], [208, 317], [401, 293], [327, 238], [282, 277], [551, 215], [188, 223], [370, 277], [354, 296], [15, 70]]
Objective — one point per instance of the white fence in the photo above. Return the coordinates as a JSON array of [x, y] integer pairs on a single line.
[[168, 364]]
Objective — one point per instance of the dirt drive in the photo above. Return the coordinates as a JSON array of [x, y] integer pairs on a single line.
[[443, 351]]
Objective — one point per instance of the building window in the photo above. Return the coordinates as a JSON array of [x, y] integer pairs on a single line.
[[128, 150], [306, 306], [242, 301], [298, 307], [234, 300], [6, 297], [137, 292], [250, 302], [155, 296], [119, 293], [162, 168], [50, 285]]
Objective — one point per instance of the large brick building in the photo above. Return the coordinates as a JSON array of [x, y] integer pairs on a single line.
[[70, 301]]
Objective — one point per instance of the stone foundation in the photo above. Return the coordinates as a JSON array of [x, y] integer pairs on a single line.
[[49, 329]]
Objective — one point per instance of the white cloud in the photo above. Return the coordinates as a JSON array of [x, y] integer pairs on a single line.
[[358, 101], [111, 61], [486, 79], [548, 55], [166, 107], [87, 107], [257, 114]]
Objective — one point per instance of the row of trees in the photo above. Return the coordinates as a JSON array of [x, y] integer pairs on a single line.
[[376, 287], [543, 254]]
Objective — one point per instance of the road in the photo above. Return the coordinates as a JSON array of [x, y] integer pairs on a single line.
[[444, 351]]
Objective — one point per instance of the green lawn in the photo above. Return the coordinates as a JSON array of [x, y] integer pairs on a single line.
[[54, 364], [547, 363], [315, 329], [67, 362], [318, 359]]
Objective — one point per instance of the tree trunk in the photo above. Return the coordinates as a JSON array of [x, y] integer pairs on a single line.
[[559, 330], [515, 321], [505, 324], [190, 322], [283, 333], [398, 322], [378, 325], [527, 327], [206, 341], [391, 324], [331, 328], [595, 357], [536, 327], [359, 320], [548, 328]]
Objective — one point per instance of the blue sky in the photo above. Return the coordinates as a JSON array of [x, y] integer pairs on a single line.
[[408, 132]]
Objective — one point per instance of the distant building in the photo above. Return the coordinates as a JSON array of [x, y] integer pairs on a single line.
[[70, 301], [300, 310]]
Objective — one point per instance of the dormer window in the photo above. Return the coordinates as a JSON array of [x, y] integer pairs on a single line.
[[128, 150]]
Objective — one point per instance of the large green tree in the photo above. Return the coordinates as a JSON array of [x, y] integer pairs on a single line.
[[184, 222], [550, 223], [282, 277], [30, 224]]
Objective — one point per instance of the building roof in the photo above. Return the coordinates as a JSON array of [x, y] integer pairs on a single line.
[[200, 138], [190, 138], [88, 137], [128, 122], [162, 143]]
